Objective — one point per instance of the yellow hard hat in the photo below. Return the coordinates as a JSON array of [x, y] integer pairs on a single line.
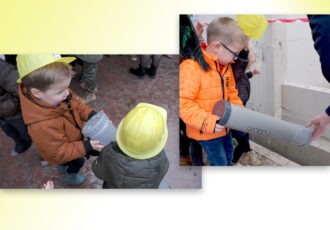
[[27, 63], [142, 134], [253, 26]]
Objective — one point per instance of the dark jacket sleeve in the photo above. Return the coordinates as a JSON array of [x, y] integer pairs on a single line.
[[8, 78], [328, 111], [99, 166], [241, 77], [240, 65], [9, 99], [249, 74], [320, 26]]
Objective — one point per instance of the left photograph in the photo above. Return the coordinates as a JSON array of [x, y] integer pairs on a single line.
[[91, 121]]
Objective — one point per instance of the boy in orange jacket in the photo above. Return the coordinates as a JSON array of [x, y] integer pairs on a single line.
[[54, 114], [200, 90]]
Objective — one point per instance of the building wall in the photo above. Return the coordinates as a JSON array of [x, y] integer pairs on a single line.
[[296, 88], [291, 73]]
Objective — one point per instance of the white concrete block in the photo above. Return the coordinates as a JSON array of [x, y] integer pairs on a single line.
[[305, 99]]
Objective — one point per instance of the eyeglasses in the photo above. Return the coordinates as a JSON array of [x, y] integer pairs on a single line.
[[232, 52]]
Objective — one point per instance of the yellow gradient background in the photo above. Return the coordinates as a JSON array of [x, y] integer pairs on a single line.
[[117, 27], [141, 27]]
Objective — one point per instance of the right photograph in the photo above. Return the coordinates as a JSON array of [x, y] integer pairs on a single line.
[[254, 90]]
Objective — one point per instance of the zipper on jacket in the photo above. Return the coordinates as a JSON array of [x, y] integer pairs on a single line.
[[67, 101], [201, 131], [222, 81], [222, 85]]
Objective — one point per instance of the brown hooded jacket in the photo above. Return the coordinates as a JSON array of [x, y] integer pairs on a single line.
[[55, 131]]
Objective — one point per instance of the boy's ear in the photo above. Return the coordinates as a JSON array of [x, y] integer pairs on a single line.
[[215, 45], [36, 93]]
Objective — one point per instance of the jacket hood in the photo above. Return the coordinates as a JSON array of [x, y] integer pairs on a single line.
[[35, 110]]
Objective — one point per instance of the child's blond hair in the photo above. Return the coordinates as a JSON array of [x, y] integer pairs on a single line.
[[44, 77], [225, 30]]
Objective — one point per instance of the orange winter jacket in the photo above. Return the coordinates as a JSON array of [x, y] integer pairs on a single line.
[[200, 90], [55, 131]]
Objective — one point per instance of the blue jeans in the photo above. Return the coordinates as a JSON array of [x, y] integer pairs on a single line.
[[219, 151]]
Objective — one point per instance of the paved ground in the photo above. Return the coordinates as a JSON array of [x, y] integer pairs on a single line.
[[119, 92], [266, 157], [261, 156]]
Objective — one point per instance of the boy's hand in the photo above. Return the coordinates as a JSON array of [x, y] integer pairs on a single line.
[[218, 128], [96, 146], [255, 72], [199, 29], [48, 185]]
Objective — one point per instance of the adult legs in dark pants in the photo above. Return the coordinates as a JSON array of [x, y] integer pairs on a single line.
[[142, 69], [155, 60], [243, 144], [184, 141], [89, 78], [191, 146], [184, 145], [196, 153], [89, 81], [17, 130]]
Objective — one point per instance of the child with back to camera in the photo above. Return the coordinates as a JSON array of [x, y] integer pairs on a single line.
[[137, 159]]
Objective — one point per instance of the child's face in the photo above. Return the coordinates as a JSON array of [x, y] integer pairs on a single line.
[[226, 54], [55, 94]]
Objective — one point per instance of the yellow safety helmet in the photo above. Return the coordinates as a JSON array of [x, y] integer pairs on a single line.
[[253, 26], [142, 134], [27, 63]]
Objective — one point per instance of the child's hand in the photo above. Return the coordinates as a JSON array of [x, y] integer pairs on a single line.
[[49, 185], [218, 128], [199, 29], [255, 72], [96, 146]]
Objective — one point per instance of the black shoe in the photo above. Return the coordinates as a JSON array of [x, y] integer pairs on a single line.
[[151, 71], [139, 72], [27, 146], [22, 148]]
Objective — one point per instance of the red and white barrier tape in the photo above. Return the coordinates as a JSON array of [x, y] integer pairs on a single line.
[[288, 20], [280, 20]]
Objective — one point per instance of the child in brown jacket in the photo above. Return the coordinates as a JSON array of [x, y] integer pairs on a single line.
[[54, 114]]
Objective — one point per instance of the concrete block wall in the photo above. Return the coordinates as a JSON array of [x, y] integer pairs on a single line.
[[301, 102], [298, 88]]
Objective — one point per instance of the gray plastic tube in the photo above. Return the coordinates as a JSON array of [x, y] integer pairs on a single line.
[[100, 128], [245, 120]]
